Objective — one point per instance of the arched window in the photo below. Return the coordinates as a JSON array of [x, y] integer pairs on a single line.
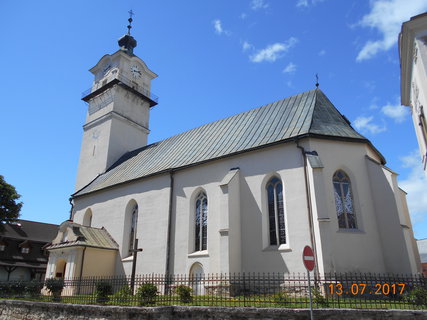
[[87, 219], [276, 214], [132, 231], [344, 201], [201, 223]]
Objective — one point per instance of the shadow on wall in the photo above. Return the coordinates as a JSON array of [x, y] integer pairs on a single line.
[[251, 222]]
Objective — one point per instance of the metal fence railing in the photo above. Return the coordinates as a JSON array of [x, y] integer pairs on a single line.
[[344, 290]]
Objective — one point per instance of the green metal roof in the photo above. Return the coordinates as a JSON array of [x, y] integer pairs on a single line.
[[87, 237], [306, 114]]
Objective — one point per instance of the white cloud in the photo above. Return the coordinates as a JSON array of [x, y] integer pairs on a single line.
[[218, 27], [397, 112], [273, 52], [307, 3], [259, 4], [322, 52], [243, 16], [387, 16], [246, 46], [290, 68], [365, 124], [415, 185]]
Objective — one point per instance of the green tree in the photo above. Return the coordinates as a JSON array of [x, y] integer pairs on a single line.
[[9, 205]]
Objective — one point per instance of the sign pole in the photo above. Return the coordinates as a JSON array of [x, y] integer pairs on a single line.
[[309, 263], [309, 294]]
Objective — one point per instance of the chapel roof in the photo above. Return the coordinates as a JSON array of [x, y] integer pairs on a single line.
[[308, 114], [85, 236]]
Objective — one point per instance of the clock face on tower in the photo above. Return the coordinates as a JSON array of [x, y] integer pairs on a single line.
[[136, 73]]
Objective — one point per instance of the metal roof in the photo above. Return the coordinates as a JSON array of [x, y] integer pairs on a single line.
[[88, 237], [307, 113], [29, 230]]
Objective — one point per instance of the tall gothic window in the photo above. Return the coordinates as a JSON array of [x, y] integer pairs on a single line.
[[132, 233], [201, 223], [276, 214], [344, 201]]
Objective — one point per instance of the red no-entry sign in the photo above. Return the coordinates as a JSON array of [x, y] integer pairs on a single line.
[[308, 258]]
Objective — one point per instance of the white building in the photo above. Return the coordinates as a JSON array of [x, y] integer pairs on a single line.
[[242, 194], [413, 63]]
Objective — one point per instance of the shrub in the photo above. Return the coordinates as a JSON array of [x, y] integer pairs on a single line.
[[102, 290], [55, 286], [281, 298], [146, 294], [5, 289], [123, 294], [184, 293], [319, 298], [33, 288], [417, 296], [17, 288]]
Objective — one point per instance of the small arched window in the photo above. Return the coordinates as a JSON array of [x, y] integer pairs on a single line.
[[276, 213], [132, 231], [201, 223], [344, 201], [87, 219]]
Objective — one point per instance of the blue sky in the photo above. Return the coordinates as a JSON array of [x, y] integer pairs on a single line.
[[214, 59]]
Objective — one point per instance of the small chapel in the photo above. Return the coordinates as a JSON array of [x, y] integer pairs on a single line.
[[243, 194]]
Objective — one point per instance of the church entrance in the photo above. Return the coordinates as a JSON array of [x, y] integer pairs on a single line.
[[196, 279], [60, 268]]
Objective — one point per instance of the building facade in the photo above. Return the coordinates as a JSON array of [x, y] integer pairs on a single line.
[[413, 63], [242, 194], [23, 254]]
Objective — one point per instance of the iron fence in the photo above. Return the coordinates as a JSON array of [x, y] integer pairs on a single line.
[[346, 290]]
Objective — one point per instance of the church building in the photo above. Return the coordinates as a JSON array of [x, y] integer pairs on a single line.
[[242, 194]]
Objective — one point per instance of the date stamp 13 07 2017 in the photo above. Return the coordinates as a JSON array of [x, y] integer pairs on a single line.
[[365, 289]]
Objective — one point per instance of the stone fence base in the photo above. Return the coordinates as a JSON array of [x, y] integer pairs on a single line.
[[25, 310]]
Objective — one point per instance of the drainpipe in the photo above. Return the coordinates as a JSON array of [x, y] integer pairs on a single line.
[[169, 236], [309, 208], [81, 269], [72, 207]]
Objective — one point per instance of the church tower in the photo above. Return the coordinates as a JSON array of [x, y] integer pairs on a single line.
[[119, 105]]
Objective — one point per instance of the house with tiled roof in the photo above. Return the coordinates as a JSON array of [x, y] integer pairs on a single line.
[[242, 194], [23, 254]]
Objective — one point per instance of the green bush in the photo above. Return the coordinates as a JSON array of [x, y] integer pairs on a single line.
[[281, 298], [122, 296], [319, 298], [5, 289], [417, 296], [55, 286], [146, 294], [102, 290], [184, 293], [17, 288], [33, 288]]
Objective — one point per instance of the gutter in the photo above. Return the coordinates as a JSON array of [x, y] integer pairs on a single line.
[[169, 236], [309, 207], [81, 270], [72, 208]]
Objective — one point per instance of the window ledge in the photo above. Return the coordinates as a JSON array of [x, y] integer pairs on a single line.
[[351, 231], [127, 259], [282, 247], [203, 253]]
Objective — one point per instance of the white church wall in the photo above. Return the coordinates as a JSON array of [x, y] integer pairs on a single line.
[[108, 210], [346, 249], [339, 250], [395, 251]]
